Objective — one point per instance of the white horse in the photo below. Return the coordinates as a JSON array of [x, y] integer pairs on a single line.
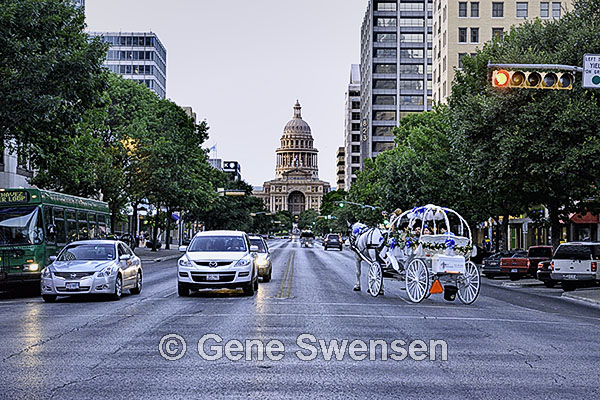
[[362, 240]]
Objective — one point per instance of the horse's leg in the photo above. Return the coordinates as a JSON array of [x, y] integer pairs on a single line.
[[358, 261]]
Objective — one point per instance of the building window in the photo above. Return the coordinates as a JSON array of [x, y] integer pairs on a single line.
[[384, 116], [498, 33], [460, 59], [355, 159], [356, 104], [411, 38], [356, 148], [386, 21], [462, 35], [383, 131], [522, 9], [412, 22], [385, 53], [462, 9], [411, 53], [384, 100], [384, 84], [355, 137], [411, 6], [378, 147], [474, 35], [385, 68], [444, 64], [386, 6], [544, 9], [411, 85], [355, 116], [497, 10], [411, 100], [474, 9], [556, 10], [386, 38], [411, 68]]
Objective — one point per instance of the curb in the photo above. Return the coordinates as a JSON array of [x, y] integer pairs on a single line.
[[522, 284], [571, 296]]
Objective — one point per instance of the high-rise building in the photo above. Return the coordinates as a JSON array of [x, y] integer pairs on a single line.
[[461, 27], [297, 187], [395, 68], [139, 56], [352, 129], [341, 171]]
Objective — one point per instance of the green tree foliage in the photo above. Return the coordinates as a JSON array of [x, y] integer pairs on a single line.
[[307, 218], [50, 75]]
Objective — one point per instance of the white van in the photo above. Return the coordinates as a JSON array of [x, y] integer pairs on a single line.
[[575, 262]]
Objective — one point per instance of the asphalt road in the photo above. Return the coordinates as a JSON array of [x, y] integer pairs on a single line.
[[511, 343]]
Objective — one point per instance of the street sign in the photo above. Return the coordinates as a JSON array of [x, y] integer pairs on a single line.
[[591, 71]]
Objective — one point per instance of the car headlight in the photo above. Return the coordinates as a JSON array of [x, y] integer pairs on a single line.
[[31, 267], [46, 273], [261, 261], [107, 271], [184, 262], [243, 262]]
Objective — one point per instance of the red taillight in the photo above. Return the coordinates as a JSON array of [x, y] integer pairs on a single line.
[[594, 266], [540, 265], [528, 263], [552, 266]]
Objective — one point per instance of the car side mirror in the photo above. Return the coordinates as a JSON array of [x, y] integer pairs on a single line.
[[52, 258], [125, 257], [253, 249], [183, 249]]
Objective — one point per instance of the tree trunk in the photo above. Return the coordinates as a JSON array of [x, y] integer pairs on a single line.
[[496, 239], [113, 219], [134, 220], [555, 227], [155, 230], [168, 237]]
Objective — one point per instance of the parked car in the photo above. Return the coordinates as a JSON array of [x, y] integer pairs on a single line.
[[92, 267], [263, 258], [543, 273], [332, 240], [491, 264], [519, 266], [150, 241], [575, 263], [218, 259]]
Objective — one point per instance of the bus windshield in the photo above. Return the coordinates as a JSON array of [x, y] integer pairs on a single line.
[[20, 226]]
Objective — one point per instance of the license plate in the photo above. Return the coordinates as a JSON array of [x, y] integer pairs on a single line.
[[570, 276], [72, 285], [212, 277], [514, 270]]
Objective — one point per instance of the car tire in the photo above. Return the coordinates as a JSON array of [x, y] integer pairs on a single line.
[[249, 289], [49, 298], [182, 291], [568, 287], [267, 278], [118, 293], [138, 284], [325, 248], [549, 284], [514, 277]]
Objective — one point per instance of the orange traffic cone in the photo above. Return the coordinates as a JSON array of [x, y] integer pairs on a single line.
[[436, 287]]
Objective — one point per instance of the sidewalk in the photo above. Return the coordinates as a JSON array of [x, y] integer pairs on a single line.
[[587, 295], [523, 283], [149, 256]]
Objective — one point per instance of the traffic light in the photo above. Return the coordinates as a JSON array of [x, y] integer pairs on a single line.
[[341, 204], [532, 79]]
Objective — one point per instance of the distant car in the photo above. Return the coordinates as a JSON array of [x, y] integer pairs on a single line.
[[307, 238], [92, 267], [263, 258], [519, 266], [332, 240], [491, 264], [218, 259], [514, 266], [575, 263], [543, 273]]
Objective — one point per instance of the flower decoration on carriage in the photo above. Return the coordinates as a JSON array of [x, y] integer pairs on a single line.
[[392, 243], [450, 243]]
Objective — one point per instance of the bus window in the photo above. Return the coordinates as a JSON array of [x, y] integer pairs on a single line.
[[50, 227], [84, 232], [71, 226], [93, 226], [59, 223], [102, 226]]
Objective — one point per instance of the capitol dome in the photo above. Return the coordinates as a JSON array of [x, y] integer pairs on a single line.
[[297, 124]]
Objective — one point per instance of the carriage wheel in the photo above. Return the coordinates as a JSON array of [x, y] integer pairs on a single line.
[[469, 284], [417, 281], [375, 279]]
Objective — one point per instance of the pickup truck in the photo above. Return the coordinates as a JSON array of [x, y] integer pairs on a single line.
[[522, 264]]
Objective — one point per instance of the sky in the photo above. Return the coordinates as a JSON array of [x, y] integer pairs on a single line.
[[241, 65]]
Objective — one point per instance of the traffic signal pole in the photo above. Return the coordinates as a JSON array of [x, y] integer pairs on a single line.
[[538, 66]]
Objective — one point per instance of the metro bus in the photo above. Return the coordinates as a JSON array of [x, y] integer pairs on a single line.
[[35, 224]]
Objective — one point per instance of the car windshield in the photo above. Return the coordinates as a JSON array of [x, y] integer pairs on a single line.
[[540, 252], [260, 244], [334, 237], [577, 252], [218, 243], [20, 226], [87, 252]]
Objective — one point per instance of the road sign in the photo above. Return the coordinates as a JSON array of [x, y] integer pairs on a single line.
[[591, 71]]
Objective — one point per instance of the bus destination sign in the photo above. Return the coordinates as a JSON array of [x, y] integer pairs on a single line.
[[14, 197]]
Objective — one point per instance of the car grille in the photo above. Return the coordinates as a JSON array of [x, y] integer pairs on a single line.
[[223, 277], [208, 263], [81, 289], [73, 275]]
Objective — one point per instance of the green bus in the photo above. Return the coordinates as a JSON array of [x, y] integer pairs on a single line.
[[35, 224]]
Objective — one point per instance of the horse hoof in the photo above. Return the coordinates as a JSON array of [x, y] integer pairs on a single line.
[[356, 288]]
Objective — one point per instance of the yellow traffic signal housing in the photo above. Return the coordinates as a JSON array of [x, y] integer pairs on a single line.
[[533, 79]]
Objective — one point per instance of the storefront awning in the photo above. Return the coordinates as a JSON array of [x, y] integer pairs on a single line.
[[587, 218]]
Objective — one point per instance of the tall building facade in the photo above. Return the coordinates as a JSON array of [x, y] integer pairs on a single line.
[[352, 129], [461, 27], [341, 170], [139, 56], [296, 187], [395, 69]]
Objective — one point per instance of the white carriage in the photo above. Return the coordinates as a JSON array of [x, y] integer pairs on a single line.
[[424, 251]]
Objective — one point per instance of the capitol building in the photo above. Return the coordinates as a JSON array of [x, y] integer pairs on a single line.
[[296, 186]]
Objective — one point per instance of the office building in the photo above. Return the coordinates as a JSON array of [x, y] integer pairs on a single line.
[[352, 129], [395, 68], [461, 27], [139, 56], [341, 170]]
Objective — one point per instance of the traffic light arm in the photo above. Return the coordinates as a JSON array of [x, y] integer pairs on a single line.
[[538, 66]]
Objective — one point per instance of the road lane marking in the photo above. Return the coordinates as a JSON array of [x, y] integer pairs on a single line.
[[286, 282]]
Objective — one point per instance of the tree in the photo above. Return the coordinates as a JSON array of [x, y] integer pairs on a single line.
[[307, 218], [50, 75]]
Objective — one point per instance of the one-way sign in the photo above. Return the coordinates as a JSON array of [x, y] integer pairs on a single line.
[[591, 71]]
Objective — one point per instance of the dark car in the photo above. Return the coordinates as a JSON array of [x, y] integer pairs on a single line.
[[491, 264], [332, 240], [543, 273]]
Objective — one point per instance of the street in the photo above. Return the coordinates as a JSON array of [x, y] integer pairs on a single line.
[[510, 343]]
